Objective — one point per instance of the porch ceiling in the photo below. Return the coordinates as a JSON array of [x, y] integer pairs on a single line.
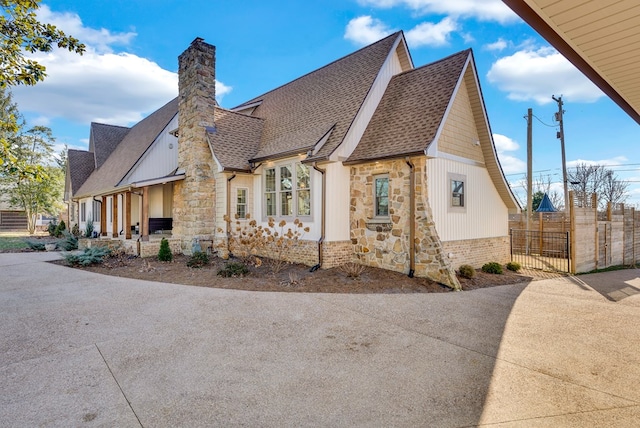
[[600, 37]]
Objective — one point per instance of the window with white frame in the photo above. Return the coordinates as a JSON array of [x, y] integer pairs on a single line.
[[83, 211], [457, 184], [287, 190], [381, 196], [241, 202]]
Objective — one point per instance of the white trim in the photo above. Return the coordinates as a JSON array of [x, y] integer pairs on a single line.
[[246, 107], [322, 141], [161, 180], [449, 156]]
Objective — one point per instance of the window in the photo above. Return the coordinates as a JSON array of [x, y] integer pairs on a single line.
[[457, 193], [381, 195], [241, 203], [287, 190], [83, 211], [97, 210]]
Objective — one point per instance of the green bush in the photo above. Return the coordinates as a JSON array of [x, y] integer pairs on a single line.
[[198, 259], [51, 228], [492, 267], [35, 245], [514, 266], [69, 241], [88, 230], [165, 254], [88, 256], [233, 269], [467, 271], [61, 227], [75, 230]]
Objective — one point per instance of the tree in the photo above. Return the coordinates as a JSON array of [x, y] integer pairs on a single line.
[[536, 199], [598, 179], [35, 194], [20, 33]]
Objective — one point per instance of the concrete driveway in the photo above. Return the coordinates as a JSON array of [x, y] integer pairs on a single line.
[[80, 349]]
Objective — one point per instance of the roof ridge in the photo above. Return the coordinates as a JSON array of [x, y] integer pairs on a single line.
[[238, 113], [467, 51], [108, 124], [257, 98]]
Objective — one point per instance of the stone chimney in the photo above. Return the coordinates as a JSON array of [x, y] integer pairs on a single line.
[[194, 197]]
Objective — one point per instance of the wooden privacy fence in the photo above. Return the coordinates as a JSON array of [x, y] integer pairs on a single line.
[[595, 239]]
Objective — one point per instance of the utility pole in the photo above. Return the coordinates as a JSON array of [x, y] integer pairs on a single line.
[[560, 135], [529, 164]]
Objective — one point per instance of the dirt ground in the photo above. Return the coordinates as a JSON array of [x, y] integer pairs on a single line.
[[292, 278]]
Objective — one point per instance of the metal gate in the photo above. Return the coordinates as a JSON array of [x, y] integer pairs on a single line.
[[541, 250]]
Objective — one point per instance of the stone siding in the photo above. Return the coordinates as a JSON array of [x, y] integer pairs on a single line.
[[194, 197], [386, 245], [476, 252]]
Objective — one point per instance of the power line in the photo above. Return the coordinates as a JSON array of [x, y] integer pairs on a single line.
[[545, 124]]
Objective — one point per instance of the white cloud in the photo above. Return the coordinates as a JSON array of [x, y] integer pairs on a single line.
[[484, 10], [430, 34], [537, 74], [618, 160], [102, 86], [365, 30], [498, 45], [510, 164]]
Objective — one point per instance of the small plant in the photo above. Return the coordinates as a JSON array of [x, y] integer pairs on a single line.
[[61, 227], [233, 269], [165, 254], [88, 230], [75, 230], [51, 228], [492, 267], [35, 245], [353, 270], [198, 259], [514, 266], [293, 281], [467, 271], [88, 256], [69, 241]]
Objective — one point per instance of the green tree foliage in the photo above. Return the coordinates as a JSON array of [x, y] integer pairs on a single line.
[[20, 34], [165, 254], [536, 199], [35, 194]]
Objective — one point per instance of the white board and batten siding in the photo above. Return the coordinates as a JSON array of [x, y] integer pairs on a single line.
[[159, 160], [485, 213]]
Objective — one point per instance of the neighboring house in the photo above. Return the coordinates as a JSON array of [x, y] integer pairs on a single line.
[[11, 218], [388, 165]]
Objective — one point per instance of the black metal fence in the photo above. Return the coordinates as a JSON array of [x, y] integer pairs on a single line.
[[541, 250]]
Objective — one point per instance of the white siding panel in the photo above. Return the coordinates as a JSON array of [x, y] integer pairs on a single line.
[[486, 214], [338, 202], [159, 160], [390, 68]]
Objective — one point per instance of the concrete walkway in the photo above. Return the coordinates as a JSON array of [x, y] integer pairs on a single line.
[[80, 349]]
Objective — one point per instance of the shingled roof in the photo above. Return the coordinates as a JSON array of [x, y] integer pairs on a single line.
[[411, 110], [81, 164], [235, 139], [299, 114], [103, 140], [128, 151]]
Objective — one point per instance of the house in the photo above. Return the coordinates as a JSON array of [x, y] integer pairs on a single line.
[[387, 164]]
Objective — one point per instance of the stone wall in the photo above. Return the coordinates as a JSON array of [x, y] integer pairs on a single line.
[[476, 252], [386, 245], [194, 197], [336, 253]]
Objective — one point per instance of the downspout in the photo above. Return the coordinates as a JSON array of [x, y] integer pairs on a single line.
[[229, 210], [322, 215], [412, 217]]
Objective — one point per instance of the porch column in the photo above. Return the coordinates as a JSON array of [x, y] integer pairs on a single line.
[[114, 228], [144, 227], [103, 216], [127, 215]]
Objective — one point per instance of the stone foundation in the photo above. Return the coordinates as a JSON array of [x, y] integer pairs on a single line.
[[134, 247], [476, 252], [336, 253]]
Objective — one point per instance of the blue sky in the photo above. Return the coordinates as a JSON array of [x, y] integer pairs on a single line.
[[129, 69]]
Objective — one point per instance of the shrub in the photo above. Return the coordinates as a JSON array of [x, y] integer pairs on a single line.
[[492, 267], [75, 230], [467, 271], [165, 254], [198, 259], [35, 245], [353, 270], [51, 228], [88, 230], [514, 266], [61, 227], [88, 256], [233, 269], [69, 241]]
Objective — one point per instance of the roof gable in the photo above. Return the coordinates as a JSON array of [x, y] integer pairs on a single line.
[[103, 140], [411, 111], [299, 114], [80, 165], [235, 139], [129, 150]]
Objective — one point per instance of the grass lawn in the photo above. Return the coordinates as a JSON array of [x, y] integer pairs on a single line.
[[15, 240]]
